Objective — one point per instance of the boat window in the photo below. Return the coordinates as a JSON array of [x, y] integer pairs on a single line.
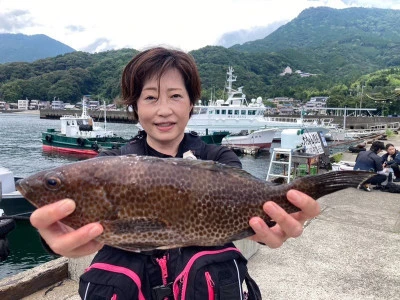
[[210, 111], [203, 110], [67, 123], [196, 110], [243, 112], [223, 112], [230, 112], [217, 112], [236, 112]]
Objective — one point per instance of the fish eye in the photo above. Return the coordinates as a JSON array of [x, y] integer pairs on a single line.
[[52, 183]]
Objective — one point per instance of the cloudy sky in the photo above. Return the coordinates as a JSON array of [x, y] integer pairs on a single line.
[[93, 26]]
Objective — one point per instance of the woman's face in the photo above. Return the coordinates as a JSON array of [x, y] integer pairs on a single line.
[[164, 113], [391, 150]]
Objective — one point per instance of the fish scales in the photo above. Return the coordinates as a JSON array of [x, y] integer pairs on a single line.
[[146, 203]]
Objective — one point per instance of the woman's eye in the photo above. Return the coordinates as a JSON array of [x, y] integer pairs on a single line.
[[176, 96], [150, 98]]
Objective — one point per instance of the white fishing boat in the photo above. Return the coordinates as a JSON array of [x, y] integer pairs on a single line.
[[236, 114], [11, 201], [261, 139]]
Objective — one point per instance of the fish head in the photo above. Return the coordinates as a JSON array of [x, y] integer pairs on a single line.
[[44, 188], [76, 181]]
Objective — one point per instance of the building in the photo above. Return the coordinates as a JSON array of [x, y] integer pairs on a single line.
[[23, 104], [288, 70], [316, 103], [57, 104]]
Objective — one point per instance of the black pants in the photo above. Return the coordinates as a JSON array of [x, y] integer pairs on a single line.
[[396, 170], [377, 179]]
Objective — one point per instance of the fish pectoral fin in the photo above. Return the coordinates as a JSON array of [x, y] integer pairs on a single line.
[[136, 225], [242, 235]]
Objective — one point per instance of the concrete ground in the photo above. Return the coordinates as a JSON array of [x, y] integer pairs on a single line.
[[350, 251]]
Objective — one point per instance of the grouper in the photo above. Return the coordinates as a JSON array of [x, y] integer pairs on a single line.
[[147, 203]]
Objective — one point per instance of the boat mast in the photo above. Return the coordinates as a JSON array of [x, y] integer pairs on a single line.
[[105, 116], [84, 114], [230, 79]]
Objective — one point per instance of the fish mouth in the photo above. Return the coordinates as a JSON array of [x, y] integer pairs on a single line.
[[19, 185]]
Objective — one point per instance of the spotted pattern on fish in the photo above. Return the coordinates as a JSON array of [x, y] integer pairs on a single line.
[[145, 203]]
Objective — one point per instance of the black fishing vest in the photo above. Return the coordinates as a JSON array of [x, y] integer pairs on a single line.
[[181, 273]]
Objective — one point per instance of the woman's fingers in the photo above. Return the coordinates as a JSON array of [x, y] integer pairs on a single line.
[[74, 243], [287, 225], [51, 213], [61, 238], [265, 235], [309, 208]]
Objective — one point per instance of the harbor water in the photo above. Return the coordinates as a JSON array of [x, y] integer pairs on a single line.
[[21, 152]]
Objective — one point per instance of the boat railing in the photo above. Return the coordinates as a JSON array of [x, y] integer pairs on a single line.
[[293, 120]]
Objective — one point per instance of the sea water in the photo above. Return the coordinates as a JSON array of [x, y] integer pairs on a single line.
[[21, 152]]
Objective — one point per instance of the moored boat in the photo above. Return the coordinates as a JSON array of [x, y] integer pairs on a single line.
[[236, 114], [80, 135], [11, 201], [261, 139]]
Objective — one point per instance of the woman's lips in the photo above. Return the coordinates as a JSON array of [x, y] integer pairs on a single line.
[[165, 126]]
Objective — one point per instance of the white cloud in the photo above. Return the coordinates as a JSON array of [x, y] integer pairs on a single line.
[[96, 26]]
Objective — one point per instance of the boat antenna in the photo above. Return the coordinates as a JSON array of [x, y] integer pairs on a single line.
[[105, 115]]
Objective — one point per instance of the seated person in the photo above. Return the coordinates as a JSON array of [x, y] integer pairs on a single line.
[[370, 161], [392, 160]]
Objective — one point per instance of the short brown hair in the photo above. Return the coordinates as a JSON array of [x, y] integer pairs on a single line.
[[155, 62]]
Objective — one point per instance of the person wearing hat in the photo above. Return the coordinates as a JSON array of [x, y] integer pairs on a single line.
[[370, 161]]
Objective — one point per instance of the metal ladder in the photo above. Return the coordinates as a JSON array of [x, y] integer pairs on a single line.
[[283, 157]]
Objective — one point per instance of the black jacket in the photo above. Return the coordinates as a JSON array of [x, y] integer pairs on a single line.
[[139, 146], [191, 141]]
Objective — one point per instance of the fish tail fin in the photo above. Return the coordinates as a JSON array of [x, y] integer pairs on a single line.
[[320, 185]]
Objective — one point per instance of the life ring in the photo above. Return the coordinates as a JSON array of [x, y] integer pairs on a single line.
[[356, 149], [95, 146], [49, 138], [6, 225], [80, 142]]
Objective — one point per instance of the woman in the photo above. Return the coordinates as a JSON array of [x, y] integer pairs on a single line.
[[161, 86], [391, 159]]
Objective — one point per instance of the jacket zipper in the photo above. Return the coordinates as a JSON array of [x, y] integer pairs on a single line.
[[210, 286]]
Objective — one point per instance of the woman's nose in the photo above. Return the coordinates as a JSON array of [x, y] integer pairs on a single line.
[[164, 107]]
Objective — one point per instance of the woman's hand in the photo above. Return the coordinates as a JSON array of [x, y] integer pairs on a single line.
[[287, 225], [61, 238]]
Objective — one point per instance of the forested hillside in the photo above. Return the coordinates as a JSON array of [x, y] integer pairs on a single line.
[[341, 44], [349, 51]]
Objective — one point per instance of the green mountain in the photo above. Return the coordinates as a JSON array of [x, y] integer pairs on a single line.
[[341, 47], [28, 48], [340, 43]]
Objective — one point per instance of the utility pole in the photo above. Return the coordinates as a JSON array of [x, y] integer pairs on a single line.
[[361, 98]]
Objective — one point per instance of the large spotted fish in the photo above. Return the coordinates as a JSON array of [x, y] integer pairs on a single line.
[[146, 203]]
